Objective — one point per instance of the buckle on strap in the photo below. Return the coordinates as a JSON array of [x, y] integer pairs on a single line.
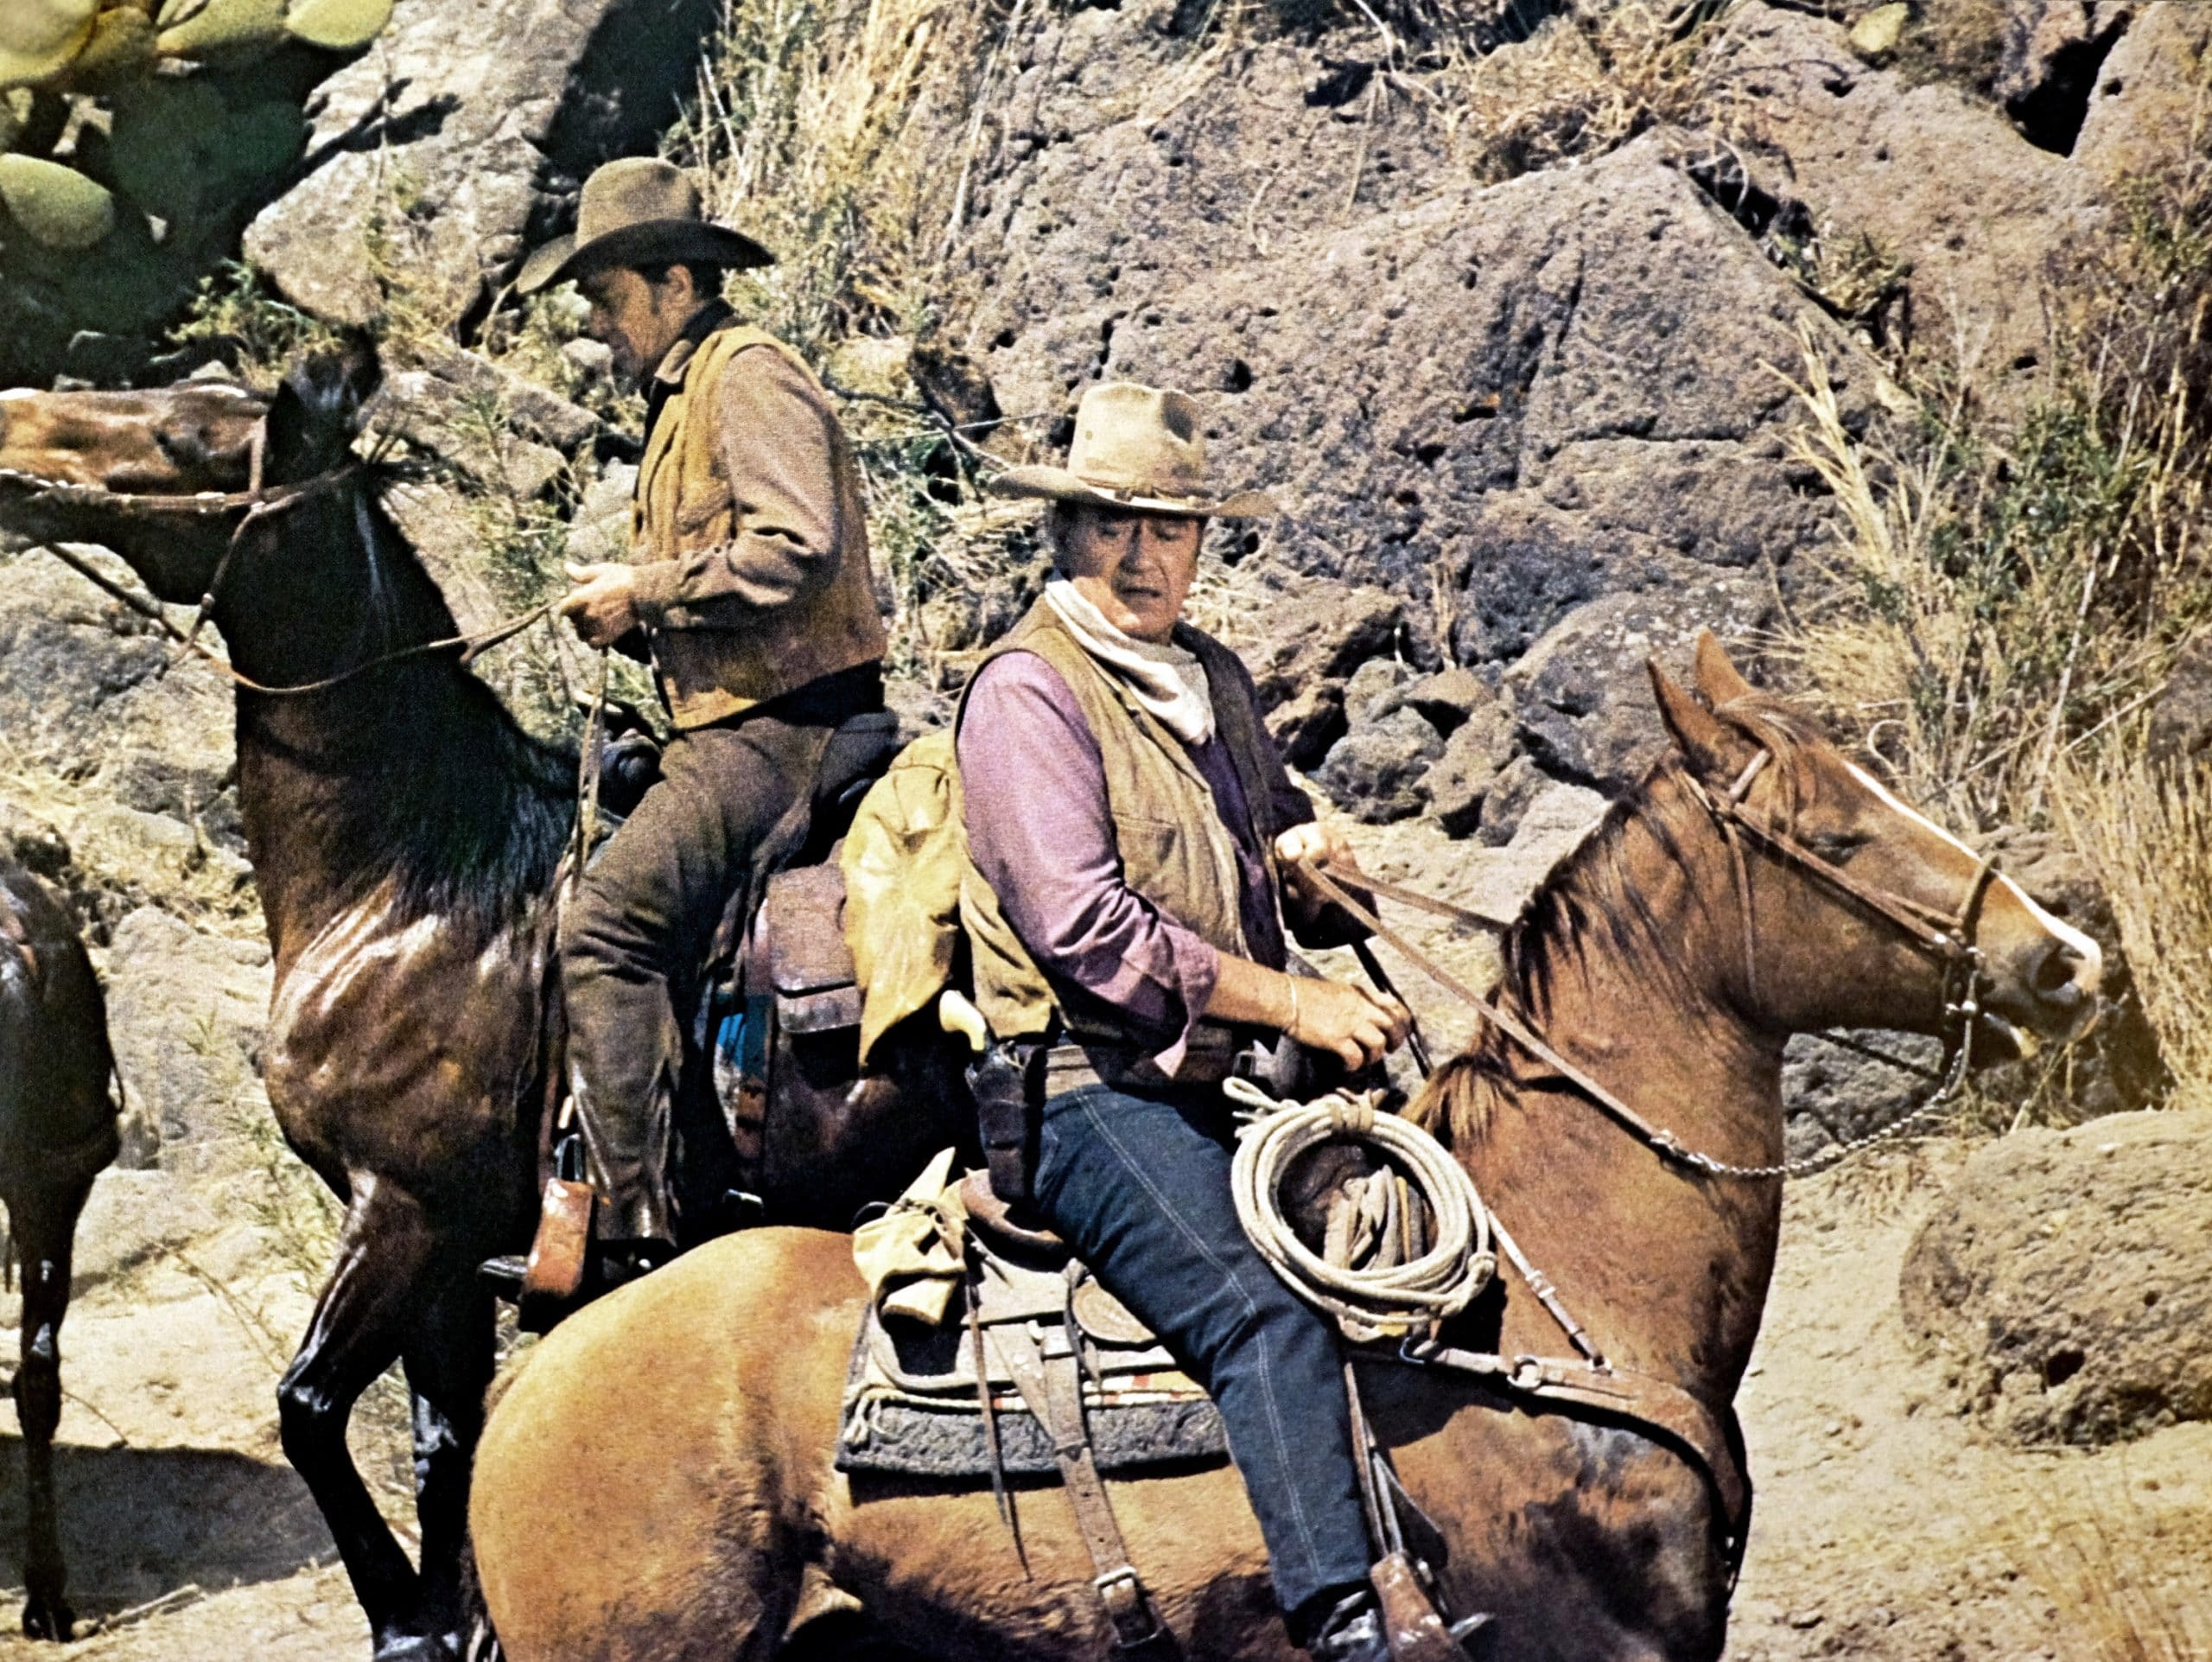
[[1128, 1608]]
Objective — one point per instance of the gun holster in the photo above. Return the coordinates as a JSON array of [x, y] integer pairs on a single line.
[[1007, 1081]]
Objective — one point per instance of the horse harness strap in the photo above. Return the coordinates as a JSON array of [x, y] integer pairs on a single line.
[[1049, 1377], [1686, 1420], [259, 504]]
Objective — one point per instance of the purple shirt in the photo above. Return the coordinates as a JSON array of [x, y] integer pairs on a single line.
[[1041, 835]]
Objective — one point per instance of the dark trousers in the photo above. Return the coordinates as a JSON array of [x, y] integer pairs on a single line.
[[1140, 1187], [641, 924]]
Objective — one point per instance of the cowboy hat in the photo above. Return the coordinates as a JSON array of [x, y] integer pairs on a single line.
[[636, 212], [1136, 446]]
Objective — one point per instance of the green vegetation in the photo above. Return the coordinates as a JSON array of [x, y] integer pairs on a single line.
[[135, 137]]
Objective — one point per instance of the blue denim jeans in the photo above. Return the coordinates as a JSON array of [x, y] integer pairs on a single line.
[[1140, 1187]]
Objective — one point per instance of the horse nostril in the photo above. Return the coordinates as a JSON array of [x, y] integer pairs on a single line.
[[2055, 977]]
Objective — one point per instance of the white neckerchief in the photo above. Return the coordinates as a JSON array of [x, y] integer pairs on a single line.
[[1167, 680]]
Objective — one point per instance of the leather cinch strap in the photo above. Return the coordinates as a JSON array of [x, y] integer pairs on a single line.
[[1050, 1380]]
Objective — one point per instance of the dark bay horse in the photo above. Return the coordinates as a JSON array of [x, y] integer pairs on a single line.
[[57, 1111], [702, 1423], [405, 835]]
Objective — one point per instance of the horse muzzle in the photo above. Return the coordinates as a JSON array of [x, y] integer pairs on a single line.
[[2048, 990]]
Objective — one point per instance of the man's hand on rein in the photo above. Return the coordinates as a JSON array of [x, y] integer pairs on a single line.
[[603, 605], [1314, 844], [1358, 1026]]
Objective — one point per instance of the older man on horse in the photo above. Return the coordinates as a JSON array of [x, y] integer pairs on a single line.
[[750, 588], [1139, 844]]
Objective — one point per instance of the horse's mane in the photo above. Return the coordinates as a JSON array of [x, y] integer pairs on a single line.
[[1591, 901], [439, 789]]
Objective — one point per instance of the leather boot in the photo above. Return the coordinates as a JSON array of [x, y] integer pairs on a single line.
[[629, 1148]]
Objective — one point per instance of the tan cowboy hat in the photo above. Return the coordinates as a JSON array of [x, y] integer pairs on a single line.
[[639, 210], [1136, 446]]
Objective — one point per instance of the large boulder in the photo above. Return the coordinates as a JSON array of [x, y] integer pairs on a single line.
[[2143, 108], [1936, 179], [91, 693], [187, 1011], [437, 157], [2067, 1279], [1496, 401], [1544, 423]]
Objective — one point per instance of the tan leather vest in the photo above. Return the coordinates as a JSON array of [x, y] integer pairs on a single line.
[[684, 504], [1174, 851]]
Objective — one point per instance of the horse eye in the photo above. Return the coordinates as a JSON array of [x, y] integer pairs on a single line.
[[1837, 846]]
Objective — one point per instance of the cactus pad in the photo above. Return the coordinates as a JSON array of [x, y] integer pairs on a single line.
[[192, 28], [41, 38], [122, 43], [55, 205], [342, 24]]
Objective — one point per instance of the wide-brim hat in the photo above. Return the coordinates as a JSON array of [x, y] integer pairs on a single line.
[[1137, 448], [638, 212]]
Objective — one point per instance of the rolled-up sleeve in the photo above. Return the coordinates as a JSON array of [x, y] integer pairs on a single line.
[[778, 447], [1041, 835]]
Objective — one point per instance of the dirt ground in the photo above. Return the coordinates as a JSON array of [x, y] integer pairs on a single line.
[[1887, 1528]]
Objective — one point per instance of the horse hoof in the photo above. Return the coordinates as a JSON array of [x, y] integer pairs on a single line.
[[48, 1618]]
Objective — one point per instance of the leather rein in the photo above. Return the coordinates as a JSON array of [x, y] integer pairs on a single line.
[[259, 504], [1948, 937]]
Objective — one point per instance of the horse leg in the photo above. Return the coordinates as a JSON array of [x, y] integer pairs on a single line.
[[366, 1316], [450, 1365], [45, 1225]]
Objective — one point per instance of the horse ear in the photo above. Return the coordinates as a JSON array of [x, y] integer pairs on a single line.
[[319, 409], [1713, 675], [1708, 743]]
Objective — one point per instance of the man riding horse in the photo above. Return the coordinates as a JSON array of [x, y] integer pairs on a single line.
[[750, 590], [1140, 846]]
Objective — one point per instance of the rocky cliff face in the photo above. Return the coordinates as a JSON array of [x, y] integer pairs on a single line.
[[1529, 427]]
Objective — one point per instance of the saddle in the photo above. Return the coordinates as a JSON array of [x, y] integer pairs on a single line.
[[778, 993], [1047, 1372], [1039, 1369], [954, 1399]]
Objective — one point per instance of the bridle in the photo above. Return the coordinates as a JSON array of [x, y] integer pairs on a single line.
[[1949, 937], [260, 503]]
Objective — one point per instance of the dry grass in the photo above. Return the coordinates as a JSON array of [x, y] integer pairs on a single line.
[[2149, 833], [2008, 595], [1593, 78], [2121, 1582]]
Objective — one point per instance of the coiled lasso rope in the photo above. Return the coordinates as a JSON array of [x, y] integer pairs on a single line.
[[1377, 1300]]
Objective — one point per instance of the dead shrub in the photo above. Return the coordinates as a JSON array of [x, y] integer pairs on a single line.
[[1590, 79]]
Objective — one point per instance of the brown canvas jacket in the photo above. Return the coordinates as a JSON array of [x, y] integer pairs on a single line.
[[749, 529]]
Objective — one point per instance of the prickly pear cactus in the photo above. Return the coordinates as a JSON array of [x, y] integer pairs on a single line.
[[143, 133]]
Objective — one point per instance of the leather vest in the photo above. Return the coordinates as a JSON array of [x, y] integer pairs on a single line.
[[684, 504], [1174, 850]]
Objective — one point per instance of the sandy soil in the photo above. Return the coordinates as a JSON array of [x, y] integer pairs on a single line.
[[1888, 1527]]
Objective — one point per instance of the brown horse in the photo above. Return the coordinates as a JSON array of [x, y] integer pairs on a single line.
[[57, 1132], [698, 1411], [405, 835]]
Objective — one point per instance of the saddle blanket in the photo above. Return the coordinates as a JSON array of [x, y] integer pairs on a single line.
[[1138, 1417]]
